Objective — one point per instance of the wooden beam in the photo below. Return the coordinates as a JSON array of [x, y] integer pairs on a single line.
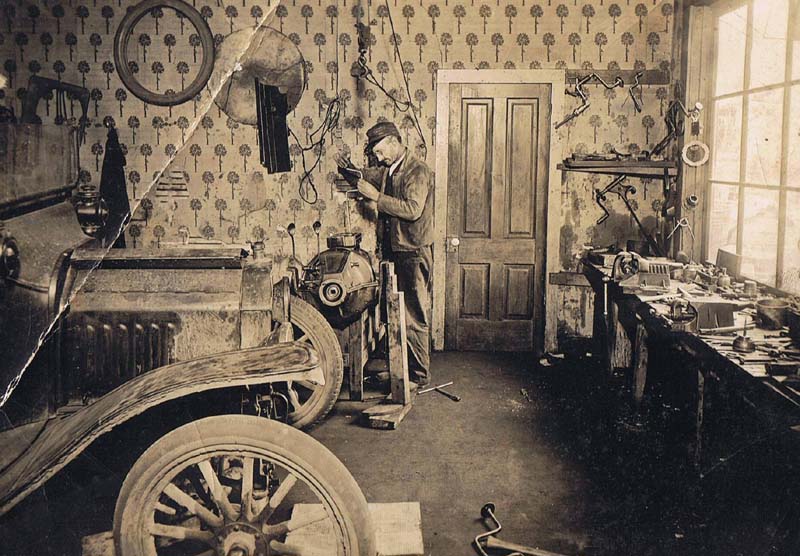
[[650, 77], [396, 335], [640, 362], [357, 356]]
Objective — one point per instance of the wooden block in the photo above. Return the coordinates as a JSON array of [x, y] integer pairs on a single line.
[[576, 279], [398, 529], [100, 544], [386, 416], [729, 261]]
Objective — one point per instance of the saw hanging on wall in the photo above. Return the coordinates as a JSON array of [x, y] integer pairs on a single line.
[[273, 132]]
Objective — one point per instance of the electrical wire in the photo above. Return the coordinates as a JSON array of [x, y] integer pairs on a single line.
[[328, 126], [405, 80], [329, 123], [399, 104]]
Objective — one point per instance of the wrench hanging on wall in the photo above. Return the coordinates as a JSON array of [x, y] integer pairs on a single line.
[[581, 94], [618, 187], [675, 126]]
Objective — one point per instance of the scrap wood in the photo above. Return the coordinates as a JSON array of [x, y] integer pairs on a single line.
[[386, 416]]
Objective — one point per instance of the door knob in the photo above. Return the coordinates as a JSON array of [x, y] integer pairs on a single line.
[[452, 244]]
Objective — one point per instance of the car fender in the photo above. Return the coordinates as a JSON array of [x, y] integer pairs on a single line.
[[64, 437]]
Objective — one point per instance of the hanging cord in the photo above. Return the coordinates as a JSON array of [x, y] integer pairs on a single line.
[[400, 105], [405, 80], [329, 123], [329, 126]]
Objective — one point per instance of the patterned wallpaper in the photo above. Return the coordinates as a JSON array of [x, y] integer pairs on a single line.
[[214, 186]]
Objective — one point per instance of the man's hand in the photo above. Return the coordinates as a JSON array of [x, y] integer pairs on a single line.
[[343, 160], [367, 190]]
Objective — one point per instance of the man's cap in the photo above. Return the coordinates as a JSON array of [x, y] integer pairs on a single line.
[[380, 131]]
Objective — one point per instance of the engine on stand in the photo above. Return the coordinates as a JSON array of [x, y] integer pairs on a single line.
[[340, 281]]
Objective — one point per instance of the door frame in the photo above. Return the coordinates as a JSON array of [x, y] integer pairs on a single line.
[[556, 79]]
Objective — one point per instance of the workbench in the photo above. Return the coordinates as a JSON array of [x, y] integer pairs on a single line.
[[633, 331]]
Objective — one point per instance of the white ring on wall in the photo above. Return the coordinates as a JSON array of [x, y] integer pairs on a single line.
[[692, 144]]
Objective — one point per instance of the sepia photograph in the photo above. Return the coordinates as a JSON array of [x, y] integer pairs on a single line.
[[400, 277]]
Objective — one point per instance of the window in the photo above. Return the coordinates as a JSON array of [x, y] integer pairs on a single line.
[[754, 186]]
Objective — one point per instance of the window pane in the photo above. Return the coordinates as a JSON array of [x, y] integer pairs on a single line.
[[794, 35], [722, 225], [730, 51], [727, 139], [768, 54], [764, 122], [760, 235], [791, 245], [793, 152]]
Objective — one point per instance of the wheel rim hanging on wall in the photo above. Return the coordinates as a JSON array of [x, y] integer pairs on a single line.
[[124, 33], [269, 56]]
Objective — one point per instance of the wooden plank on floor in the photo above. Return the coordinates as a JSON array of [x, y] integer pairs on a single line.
[[398, 532], [99, 544], [386, 416], [398, 529]]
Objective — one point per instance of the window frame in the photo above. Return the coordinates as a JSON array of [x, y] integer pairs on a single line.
[[719, 9]]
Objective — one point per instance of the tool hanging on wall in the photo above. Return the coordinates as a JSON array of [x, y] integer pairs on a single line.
[[634, 89], [38, 87], [580, 93], [682, 223], [695, 153], [621, 189], [675, 125], [273, 131]]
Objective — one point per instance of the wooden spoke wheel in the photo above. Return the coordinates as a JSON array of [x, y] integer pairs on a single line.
[[309, 403], [238, 485]]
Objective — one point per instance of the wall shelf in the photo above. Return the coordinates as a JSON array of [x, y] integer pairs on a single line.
[[634, 168]]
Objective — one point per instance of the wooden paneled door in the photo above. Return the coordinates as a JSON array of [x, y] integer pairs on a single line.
[[496, 197]]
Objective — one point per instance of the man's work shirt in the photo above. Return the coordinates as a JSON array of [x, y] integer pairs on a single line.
[[407, 197]]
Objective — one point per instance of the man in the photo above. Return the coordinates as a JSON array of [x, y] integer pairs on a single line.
[[403, 192]]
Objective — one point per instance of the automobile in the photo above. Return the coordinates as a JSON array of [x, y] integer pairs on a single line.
[[208, 342]]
